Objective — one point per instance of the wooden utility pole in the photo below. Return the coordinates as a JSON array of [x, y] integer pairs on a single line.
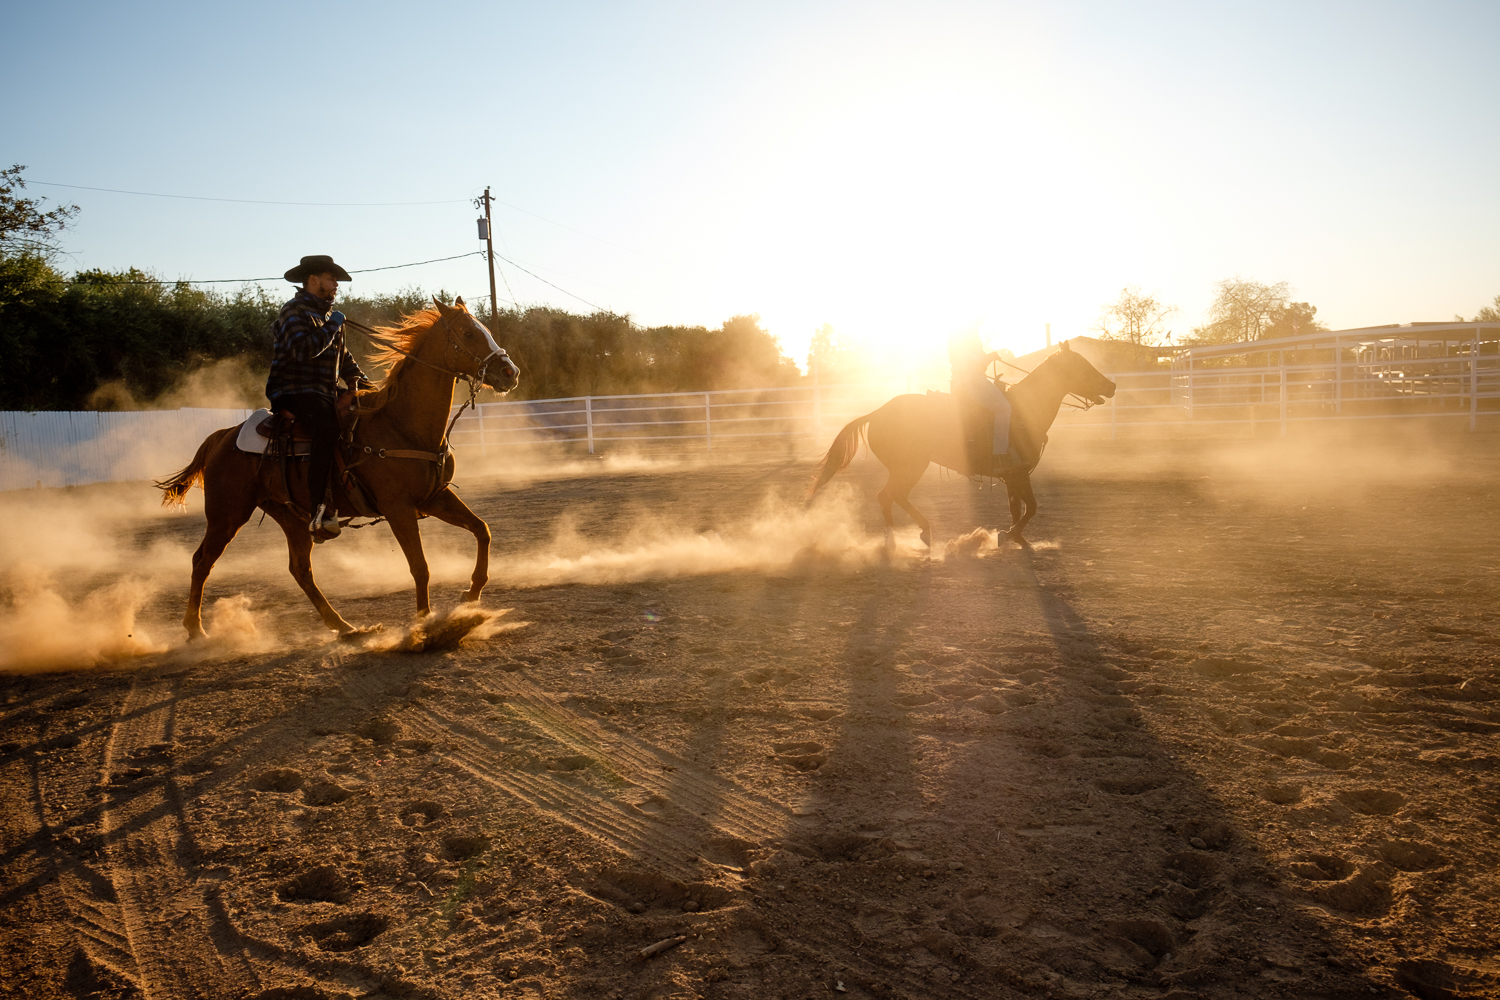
[[489, 246]]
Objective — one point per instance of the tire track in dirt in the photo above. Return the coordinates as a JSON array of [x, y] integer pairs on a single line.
[[180, 941], [714, 815], [681, 814]]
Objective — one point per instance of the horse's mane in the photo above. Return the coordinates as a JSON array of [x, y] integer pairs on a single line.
[[392, 344]]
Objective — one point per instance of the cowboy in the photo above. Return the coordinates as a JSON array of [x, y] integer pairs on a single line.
[[969, 360], [308, 359]]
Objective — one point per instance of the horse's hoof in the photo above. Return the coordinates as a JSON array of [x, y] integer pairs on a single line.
[[194, 634], [926, 537], [355, 634], [470, 597]]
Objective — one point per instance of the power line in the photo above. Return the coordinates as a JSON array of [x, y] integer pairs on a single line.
[[544, 281], [230, 281], [580, 232], [250, 201]]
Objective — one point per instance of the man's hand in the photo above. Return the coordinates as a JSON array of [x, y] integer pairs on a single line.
[[336, 319]]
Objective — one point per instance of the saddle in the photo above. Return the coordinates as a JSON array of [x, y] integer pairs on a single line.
[[287, 440], [978, 428], [283, 423]]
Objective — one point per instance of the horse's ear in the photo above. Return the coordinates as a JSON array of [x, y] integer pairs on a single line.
[[439, 303], [458, 303], [1064, 346]]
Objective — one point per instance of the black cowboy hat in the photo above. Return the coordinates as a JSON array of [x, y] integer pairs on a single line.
[[316, 264]]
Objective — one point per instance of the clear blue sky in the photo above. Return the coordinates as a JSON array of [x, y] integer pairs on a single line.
[[896, 170]]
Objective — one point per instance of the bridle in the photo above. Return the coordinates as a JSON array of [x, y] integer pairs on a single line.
[[474, 382], [1086, 403]]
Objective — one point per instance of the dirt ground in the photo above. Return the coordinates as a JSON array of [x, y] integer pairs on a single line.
[[1229, 731]]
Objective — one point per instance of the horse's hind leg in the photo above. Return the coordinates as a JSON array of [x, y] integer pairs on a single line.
[[225, 518], [898, 489], [446, 506], [299, 545]]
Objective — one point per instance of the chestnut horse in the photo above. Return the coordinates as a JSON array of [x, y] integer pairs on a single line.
[[910, 432], [407, 414]]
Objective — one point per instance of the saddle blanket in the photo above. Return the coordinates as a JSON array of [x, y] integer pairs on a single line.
[[251, 441]]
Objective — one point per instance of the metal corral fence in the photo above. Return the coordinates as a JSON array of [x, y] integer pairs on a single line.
[[721, 421], [1419, 372]]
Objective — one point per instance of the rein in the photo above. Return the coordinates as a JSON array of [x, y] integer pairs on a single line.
[[1087, 404]]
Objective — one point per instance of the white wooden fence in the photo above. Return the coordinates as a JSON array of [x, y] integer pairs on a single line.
[[61, 448]]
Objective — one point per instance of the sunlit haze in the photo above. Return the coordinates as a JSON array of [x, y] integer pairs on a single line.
[[900, 172]]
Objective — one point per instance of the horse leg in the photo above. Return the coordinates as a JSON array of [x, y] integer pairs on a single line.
[[1021, 495], [903, 498], [446, 506], [403, 524], [884, 496], [898, 489], [224, 522], [299, 545]]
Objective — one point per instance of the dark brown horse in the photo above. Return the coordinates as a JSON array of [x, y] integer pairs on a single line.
[[400, 454], [910, 432]]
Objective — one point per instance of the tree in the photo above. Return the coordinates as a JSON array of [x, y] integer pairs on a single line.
[[1489, 314], [830, 356], [1135, 318], [1290, 320], [1242, 310], [24, 227]]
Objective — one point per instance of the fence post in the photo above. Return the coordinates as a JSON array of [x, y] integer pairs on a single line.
[[588, 420], [1114, 409], [1474, 383], [1338, 377], [1281, 358], [479, 415], [708, 422]]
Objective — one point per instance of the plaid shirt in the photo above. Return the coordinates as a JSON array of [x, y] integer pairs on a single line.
[[309, 355]]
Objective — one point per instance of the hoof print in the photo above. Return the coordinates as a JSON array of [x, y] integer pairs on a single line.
[[348, 932], [1373, 801], [325, 793], [279, 779], [421, 813], [1411, 856], [317, 885], [381, 730], [801, 756], [462, 848], [644, 892]]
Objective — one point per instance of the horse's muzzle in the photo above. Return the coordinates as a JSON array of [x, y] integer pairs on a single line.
[[502, 375], [1106, 394]]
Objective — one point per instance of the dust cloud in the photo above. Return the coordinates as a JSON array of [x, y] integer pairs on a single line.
[[781, 537], [230, 383], [41, 630], [75, 577]]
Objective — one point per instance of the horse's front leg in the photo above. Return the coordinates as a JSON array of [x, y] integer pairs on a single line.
[[446, 506], [1022, 506], [403, 522], [299, 561]]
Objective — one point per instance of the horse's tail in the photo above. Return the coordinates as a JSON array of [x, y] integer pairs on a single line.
[[845, 446], [174, 489]]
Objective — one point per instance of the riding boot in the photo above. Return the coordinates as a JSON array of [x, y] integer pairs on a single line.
[[325, 521]]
